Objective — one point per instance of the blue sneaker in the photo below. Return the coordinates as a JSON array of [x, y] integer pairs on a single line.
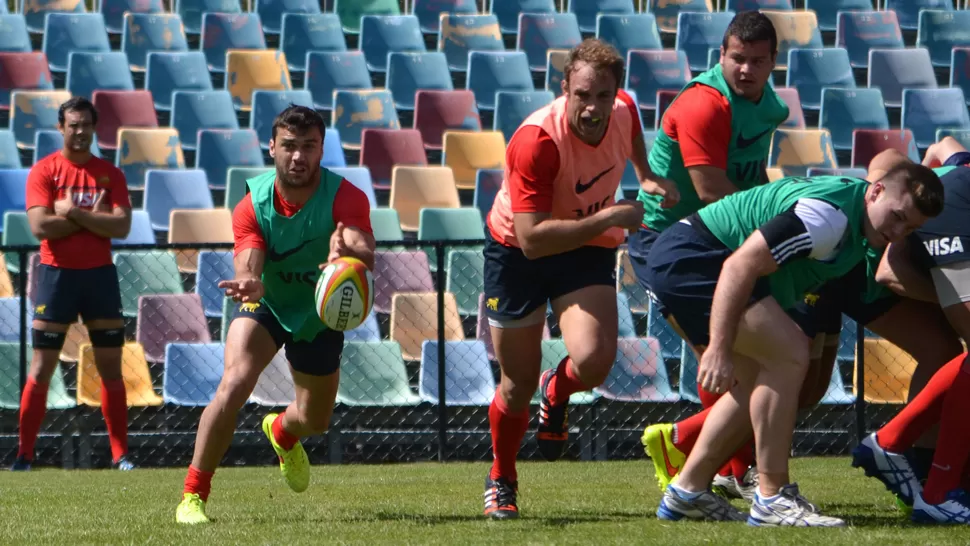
[[123, 464], [955, 509], [20, 465], [892, 469], [678, 504]]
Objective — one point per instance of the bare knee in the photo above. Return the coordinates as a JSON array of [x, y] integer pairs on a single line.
[[43, 364], [234, 390], [592, 364], [517, 392]]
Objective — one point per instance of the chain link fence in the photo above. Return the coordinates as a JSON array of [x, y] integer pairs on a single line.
[[416, 378]]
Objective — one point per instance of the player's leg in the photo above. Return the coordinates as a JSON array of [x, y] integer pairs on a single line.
[[948, 151]]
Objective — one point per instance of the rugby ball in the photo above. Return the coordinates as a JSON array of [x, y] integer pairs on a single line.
[[344, 294]]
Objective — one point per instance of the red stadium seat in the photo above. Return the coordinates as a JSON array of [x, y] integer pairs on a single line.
[[664, 98], [867, 143], [22, 71], [118, 109], [382, 149], [438, 111]]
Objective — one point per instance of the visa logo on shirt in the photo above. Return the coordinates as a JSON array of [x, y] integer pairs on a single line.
[[85, 198], [943, 246]]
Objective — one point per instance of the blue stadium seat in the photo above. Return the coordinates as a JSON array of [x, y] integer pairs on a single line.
[[809, 70], [429, 12], [487, 184], [48, 141], [926, 110], [512, 107], [219, 149], [224, 31], [860, 31], [36, 12], [10, 321], [460, 34], [191, 11], [638, 374], [169, 189], [193, 111], [383, 34], [960, 70], [333, 150], [302, 33], [267, 104], [141, 232], [468, 374], [507, 11], [893, 70], [827, 11], [192, 373], [788, 95], [626, 327], [327, 72], [23, 71], [667, 12], [363, 109], [14, 37], [652, 71], [167, 73], [360, 177], [687, 389], [214, 266], [908, 10], [65, 33], [588, 11], [836, 393], [961, 135], [271, 12], [115, 11], [540, 32], [89, 72], [490, 72], [32, 111], [698, 33], [626, 32], [845, 110], [659, 329], [407, 73], [145, 33], [13, 188], [756, 5], [942, 30], [369, 330]]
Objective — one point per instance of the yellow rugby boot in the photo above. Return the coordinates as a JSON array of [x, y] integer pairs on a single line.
[[191, 511], [667, 460], [294, 463]]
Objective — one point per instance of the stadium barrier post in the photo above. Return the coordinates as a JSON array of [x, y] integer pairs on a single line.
[[22, 287], [860, 383], [442, 409]]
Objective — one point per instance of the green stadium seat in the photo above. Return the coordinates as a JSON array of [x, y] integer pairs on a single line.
[[449, 224], [386, 225], [57, 397], [236, 178], [144, 273], [373, 374], [465, 278], [351, 11], [16, 231]]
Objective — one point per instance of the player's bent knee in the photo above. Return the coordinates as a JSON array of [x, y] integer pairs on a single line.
[[108, 338], [234, 390], [45, 340]]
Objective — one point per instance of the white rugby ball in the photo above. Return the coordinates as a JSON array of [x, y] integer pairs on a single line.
[[344, 294]]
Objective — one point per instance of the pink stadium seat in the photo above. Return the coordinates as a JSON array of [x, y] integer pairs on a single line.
[[118, 109], [438, 111], [866, 143], [170, 318], [399, 271], [22, 71], [796, 117], [382, 149], [664, 99]]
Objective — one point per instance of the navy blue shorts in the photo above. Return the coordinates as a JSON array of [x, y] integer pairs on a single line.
[[958, 159], [639, 245], [515, 286], [320, 356], [826, 305], [60, 294]]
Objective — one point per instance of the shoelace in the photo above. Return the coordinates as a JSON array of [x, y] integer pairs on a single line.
[[722, 506], [801, 503], [504, 493]]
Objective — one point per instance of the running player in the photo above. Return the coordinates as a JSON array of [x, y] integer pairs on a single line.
[[76, 203], [714, 141], [552, 236], [762, 249], [291, 218]]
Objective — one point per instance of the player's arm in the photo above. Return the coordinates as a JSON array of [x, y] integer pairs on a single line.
[[44, 224], [700, 121], [353, 235], [110, 216], [899, 272], [649, 181], [249, 255]]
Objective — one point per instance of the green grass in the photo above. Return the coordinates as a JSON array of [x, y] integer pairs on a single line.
[[561, 503]]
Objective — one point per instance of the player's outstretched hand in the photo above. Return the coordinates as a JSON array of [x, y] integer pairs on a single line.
[[664, 188], [64, 205], [244, 290], [338, 246], [716, 372], [627, 214]]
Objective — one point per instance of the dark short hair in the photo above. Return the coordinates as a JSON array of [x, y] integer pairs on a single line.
[[752, 26], [77, 104], [299, 120], [922, 183], [598, 54]]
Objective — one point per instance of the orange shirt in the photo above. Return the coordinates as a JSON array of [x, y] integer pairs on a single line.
[[49, 180]]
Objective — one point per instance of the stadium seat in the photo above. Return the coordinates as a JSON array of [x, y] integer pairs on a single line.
[[10, 316], [540, 32], [414, 319], [887, 371], [271, 12], [926, 110], [382, 149], [222, 32], [9, 155], [487, 184], [668, 12], [356, 110], [167, 190], [413, 188], [22, 71], [14, 37], [659, 329], [626, 282], [166, 73], [144, 34], [351, 11], [57, 396], [626, 32], [268, 104], [893, 70], [236, 178], [169, 318], [845, 110], [493, 71], [626, 326], [386, 225], [16, 231], [65, 33], [430, 12], [555, 65], [368, 331], [809, 70], [866, 143], [758, 5], [89, 72], [192, 373], [960, 70], [464, 277], [466, 152], [275, 388], [198, 226], [908, 11], [688, 375], [827, 11], [117, 12], [794, 150], [13, 189], [142, 149], [333, 150], [36, 12], [399, 271], [461, 34], [145, 273], [48, 141], [860, 31], [327, 72], [639, 374], [449, 224], [194, 111], [303, 33], [697, 33], [588, 12], [438, 111], [248, 71], [7, 291], [409, 72], [775, 174], [219, 149], [853, 172], [513, 107], [651, 71], [191, 11], [373, 374], [116, 109], [796, 30], [141, 232], [507, 11], [961, 135], [942, 30], [361, 178], [553, 352], [796, 117], [383, 34], [468, 374]]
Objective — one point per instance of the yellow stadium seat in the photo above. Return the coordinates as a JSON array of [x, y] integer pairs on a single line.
[[795, 150], [32, 111], [415, 188], [134, 371], [466, 152], [142, 149], [77, 336], [414, 319], [796, 29], [249, 70], [666, 11], [198, 226], [6, 284], [888, 371], [774, 173]]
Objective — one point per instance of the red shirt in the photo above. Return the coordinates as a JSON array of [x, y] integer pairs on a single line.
[[700, 121], [49, 180], [350, 206]]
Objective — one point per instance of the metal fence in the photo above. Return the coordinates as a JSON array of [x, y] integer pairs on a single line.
[[416, 378]]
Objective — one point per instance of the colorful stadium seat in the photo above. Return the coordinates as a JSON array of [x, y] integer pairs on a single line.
[[651, 71], [141, 232], [383, 34], [465, 278], [268, 104], [414, 188], [399, 271], [893, 70], [960, 70], [328, 72], [382, 149], [697, 33], [513, 107], [118, 109], [10, 314], [449, 224], [373, 374], [134, 372], [429, 12], [166, 190], [667, 11], [386, 225], [796, 30], [89, 72], [65, 33], [147, 33], [468, 375], [198, 226], [414, 320], [169, 318], [809, 70], [48, 141], [368, 331], [352, 11], [248, 71], [14, 37], [796, 117], [588, 11], [630, 31], [487, 184], [794, 150], [507, 11], [271, 12], [860, 31], [333, 150], [167, 73], [555, 65], [57, 396], [758, 5], [142, 149], [866, 143], [845, 110], [926, 110], [827, 11], [222, 32], [302, 33], [639, 374], [960, 135], [23, 71], [236, 187], [461, 34], [409, 72], [493, 71], [192, 373], [275, 388], [219, 149], [774, 173], [359, 177], [116, 12], [191, 11], [466, 152], [194, 111], [145, 273], [887, 370], [13, 189], [9, 154], [908, 11], [438, 111], [16, 231], [942, 30], [540, 32], [356, 110], [36, 11]]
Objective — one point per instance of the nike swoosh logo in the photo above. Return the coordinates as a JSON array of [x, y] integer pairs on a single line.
[[275, 256], [671, 469], [581, 188], [745, 142], [943, 468]]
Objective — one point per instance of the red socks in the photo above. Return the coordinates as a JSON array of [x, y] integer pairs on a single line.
[[564, 383], [114, 407], [33, 406], [282, 437], [953, 445], [508, 429], [198, 482], [687, 431]]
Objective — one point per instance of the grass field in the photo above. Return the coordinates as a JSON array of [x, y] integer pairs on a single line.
[[561, 503]]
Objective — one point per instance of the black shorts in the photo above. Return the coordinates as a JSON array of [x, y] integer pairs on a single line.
[[320, 356], [639, 245], [515, 286], [826, 305], [60, 294]]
